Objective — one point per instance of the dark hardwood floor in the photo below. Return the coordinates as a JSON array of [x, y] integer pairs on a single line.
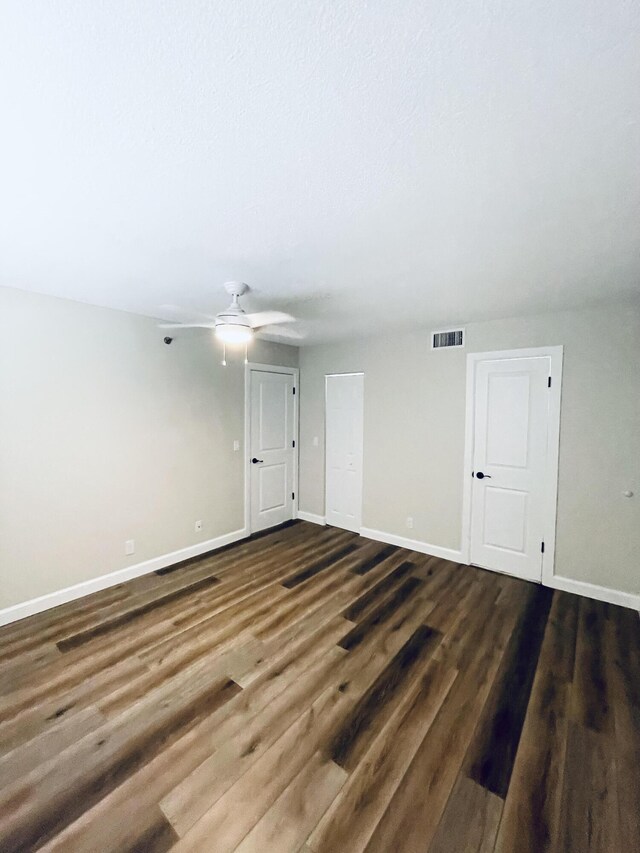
[[313, 691]]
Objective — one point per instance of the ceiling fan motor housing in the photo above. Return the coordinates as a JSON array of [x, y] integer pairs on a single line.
[[235, 317]]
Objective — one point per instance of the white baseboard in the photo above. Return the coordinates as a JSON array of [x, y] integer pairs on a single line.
[[79, 590], [589, 590], [600, 593], [62, 596], [412, 544], [312, 517]]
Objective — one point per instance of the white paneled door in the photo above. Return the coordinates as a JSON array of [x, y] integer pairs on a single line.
[[344, 445], [271, 448], [511, 464]]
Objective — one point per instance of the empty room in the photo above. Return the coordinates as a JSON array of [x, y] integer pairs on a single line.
[[320, 426]]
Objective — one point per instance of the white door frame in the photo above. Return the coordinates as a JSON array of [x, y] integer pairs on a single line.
[[554, 354], [267, 368]]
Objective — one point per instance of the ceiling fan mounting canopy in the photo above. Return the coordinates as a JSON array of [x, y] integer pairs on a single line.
[[236, 288]]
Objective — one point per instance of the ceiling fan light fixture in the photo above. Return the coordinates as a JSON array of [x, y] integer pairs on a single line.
[[234, 333]]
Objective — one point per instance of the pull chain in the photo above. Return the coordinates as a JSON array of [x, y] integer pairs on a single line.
[[246, 359], [224, 355]]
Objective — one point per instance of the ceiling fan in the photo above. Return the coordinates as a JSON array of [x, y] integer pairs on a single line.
[[234, 325]]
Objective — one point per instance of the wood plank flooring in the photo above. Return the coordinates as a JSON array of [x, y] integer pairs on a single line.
[[312, 691]]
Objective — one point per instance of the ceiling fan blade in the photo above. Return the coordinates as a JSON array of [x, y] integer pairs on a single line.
[[184, 313], [186, 325], [280, 332], [269, 318]]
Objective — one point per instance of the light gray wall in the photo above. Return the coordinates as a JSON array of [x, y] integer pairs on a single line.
[[107, 434], [414, 434]]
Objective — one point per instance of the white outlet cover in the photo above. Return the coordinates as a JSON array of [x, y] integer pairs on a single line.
[[198, 525], [130, 547], [236, 445]]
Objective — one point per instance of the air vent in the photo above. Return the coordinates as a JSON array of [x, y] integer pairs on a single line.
[[443, 340]]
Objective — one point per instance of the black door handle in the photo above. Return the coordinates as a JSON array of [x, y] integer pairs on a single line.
[[255, 461], [481, 476]]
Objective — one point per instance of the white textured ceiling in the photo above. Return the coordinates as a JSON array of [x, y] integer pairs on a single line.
[[359, 163]]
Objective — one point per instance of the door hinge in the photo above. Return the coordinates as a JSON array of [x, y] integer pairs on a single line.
[[294, 390], [293, 496], [549, 382], [293, 443], [542, 548]]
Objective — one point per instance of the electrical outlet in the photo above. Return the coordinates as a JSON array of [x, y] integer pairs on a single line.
[[410, 522], [198, 525], [315, 441], [236, 445], [130, 547]]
